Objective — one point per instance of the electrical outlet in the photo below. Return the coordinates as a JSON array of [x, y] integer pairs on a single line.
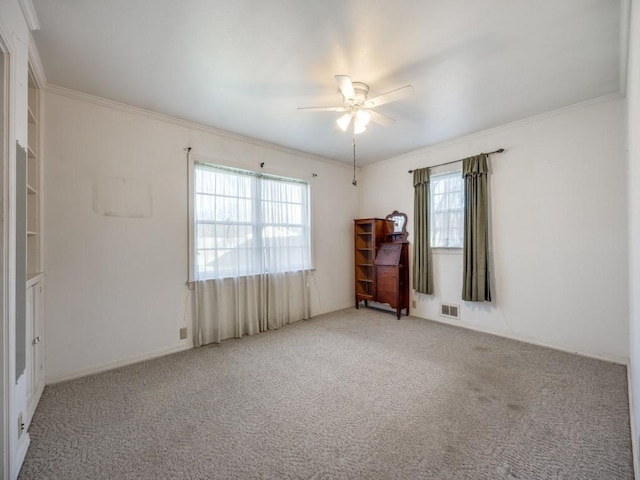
[[183, 333], [20, 425], [413, 304]]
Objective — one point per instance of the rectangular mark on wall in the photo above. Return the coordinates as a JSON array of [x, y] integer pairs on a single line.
[[122, 197]]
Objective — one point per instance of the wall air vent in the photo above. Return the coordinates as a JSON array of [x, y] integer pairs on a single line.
[[450, 311]]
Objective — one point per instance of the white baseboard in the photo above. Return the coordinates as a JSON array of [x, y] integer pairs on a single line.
[[606, 358], [323, 311], [33, 405], [117, 364], [22, 453], [632, 419]]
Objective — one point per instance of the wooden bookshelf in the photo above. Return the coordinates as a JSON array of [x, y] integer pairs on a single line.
[[369, 233]]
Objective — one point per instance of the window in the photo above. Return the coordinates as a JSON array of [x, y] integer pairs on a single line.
[[447, 210], [247, 223]]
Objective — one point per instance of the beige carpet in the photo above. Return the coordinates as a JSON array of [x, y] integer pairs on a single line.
[[355, 394]]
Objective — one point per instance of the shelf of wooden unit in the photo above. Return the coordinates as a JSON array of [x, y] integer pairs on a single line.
[[368, 234]]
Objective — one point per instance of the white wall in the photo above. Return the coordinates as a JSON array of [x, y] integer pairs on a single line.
[[116, 286], [633, 142], [558, 229]]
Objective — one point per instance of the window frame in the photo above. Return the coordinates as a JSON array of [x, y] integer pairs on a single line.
[[194, 160], [445, 249]]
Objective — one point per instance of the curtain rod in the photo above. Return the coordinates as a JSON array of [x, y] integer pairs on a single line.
[[500, 150]]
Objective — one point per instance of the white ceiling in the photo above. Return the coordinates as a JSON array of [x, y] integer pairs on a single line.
[[244, 66]]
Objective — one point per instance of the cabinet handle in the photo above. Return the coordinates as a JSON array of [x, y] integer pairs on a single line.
[[36, 340]]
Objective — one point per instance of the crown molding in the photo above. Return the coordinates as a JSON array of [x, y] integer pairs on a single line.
[[161, 117], [30, 15], [420, 153]]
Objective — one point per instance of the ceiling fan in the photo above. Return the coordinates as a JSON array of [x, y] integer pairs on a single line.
[[357, 107]]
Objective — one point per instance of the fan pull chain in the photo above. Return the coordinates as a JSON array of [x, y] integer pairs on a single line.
[[354, 182]]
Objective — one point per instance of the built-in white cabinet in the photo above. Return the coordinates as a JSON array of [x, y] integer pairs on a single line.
[[35, 345], [29, 278], [34, 295]]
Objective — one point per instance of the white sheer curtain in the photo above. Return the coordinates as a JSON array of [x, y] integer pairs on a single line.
[[252, 244], [447, 210]]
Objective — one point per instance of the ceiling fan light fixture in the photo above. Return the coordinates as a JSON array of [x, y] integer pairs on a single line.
[[356, 105], [358, 127], [363, 117], [344, 121]]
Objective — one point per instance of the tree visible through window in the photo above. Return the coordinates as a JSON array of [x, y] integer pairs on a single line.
[[447, 210], [248, 223]]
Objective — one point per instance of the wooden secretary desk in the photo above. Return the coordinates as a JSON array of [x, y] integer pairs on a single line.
[[382, 261]]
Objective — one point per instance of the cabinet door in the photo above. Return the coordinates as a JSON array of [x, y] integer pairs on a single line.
[[387, 285], [35, 346], [38, 336], [29, 370]]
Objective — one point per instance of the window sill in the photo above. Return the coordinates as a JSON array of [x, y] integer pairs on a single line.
[[446, 251], [310, 270]]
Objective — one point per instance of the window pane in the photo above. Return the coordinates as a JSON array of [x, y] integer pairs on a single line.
[[282, 213], [206, 236], [274, 236], [232, 240], [447, 210], [225, 236]]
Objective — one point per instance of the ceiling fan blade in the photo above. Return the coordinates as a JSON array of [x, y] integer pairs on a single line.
[[323, 109], [345, 86], [380, 119], [344, 121], [391, 96]]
